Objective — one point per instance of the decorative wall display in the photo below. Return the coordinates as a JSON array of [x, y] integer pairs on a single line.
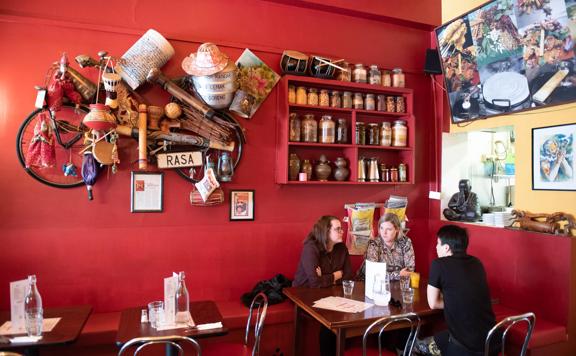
[[241, 205], [147, 192], [509, 56], [553, 158]]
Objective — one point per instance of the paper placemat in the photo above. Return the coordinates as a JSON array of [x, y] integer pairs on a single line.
[[342, 304], [47, 325]]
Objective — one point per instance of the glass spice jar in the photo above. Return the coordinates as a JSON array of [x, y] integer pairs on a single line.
[[347, 100], [374, 76], [360, 133], [390, 104], [312, 97], [324, 98], [345, 75], [386, 79], [373, 134], [386, 177], [359, 74], [358, 101], [399, 133], [370, 103], [382, 172], [394, 174], [381, 103], [342, 131], [291, 94], [309, 129], [327, 129], [301, 97], [294, 132], [385, 134], [397, 78], [335, 99], [402, 173], [400, 104]]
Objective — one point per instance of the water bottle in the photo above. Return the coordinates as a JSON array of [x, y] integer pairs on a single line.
[[33, 312], [182, 300], [381, 290]]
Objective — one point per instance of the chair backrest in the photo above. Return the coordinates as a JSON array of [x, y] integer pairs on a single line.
[[260, 303], [505, 325], [411, 319], [171, 340]]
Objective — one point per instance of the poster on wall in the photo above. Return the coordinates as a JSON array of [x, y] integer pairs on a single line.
[[507, 56], [553, 158]]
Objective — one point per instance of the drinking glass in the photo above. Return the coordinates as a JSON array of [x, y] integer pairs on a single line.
[[404, 282], [381, 289], [156, 313], [348, 287], [408, 295]]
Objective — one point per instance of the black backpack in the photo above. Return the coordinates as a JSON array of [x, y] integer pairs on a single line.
[[271, 287]]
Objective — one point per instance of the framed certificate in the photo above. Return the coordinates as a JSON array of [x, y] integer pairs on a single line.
[[147, 192]]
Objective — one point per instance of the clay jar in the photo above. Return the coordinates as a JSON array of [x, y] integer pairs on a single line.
[[323, 169], [341, 172], [293, 167]]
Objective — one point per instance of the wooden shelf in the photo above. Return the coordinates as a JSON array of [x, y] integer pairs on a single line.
[[389, 155]]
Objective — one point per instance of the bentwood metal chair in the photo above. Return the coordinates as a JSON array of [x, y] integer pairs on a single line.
[[258, 309], [505, 325], [171, 341], [409, 319]]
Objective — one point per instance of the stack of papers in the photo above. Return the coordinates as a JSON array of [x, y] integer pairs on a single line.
[[342, 304]]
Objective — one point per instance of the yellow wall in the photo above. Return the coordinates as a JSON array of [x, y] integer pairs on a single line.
[[526, 198]]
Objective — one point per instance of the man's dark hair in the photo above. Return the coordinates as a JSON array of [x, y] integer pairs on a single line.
[[455, 237]]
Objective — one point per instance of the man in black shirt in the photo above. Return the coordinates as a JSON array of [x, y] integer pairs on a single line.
[[458, 285]]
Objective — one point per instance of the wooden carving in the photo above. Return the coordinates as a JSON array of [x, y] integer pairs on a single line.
[[556, 223]]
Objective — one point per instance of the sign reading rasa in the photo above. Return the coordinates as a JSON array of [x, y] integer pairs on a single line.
[[179, 159]]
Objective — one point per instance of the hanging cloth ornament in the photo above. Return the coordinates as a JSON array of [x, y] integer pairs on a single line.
[[41, 152], [89, 172]]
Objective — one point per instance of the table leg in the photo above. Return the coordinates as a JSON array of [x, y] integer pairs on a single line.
[[297, 349], [340, 341], [171, 350]]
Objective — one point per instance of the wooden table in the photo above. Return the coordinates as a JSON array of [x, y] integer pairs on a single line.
[[66, 331], [203, 312], [346, 325]]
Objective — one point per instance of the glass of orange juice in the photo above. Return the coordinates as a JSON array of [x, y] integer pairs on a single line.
[[414, 279]]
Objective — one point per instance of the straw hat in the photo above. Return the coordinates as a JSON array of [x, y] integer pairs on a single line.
[[206, 61]]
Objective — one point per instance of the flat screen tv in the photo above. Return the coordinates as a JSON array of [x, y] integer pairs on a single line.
[[507, 56]]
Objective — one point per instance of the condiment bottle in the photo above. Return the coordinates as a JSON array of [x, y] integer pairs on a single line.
[[397, 78], [381, 103], [402, 173], [399, 134], [385, 134], [360, 133], [342, 131], [359, 74], [335, 99], [324, 99], [373, 134], [400, 105], [347, 100], [301, 97], [312, 97], [370, 103], [309, 129], [358, 101], [394, 174], [327, 129], [386, 79], [294, 134], [291, 94], [374, 76], [390, 104]]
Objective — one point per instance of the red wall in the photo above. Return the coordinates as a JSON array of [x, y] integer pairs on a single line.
[[98, 252]]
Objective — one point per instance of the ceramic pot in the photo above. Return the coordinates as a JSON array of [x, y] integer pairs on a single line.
[[307, 168], [99, 118], [323, 169], [341, 172], [293, 167]]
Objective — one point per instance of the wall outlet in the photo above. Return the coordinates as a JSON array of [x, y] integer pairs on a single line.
[[435, 195]]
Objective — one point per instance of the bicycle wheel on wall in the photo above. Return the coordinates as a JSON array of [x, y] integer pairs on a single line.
[[69, 127]]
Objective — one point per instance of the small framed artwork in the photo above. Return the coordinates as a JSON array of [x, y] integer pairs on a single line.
[[147, 192], [241, 205], [553, 157]]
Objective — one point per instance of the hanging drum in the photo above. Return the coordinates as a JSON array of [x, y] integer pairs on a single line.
[[506, 91]]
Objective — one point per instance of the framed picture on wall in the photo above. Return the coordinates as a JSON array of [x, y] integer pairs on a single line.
[[147, 192], [241, 205], [553, 157]]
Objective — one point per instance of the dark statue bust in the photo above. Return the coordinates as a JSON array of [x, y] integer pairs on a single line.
[[463, 206]]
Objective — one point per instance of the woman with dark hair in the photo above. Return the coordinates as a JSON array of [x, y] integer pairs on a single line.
[[324, 260]]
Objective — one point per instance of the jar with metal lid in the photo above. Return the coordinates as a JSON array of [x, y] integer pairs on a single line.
[[342, 131], [358, 101], [309, 129], [345, 75], [400, 104], [369, 103], [386, 177], [335, 99], [347, 100], [390, 104], [324, 99], [373, 134], [374, 76], [398, 78], [381, 102], [327, 129], [402, 173], [382, 172], [291, 94], [399, 134], [312, 97], [386, 79], [294, 125], [385, 134], [301, 97], [360, 133], [393, 174], [359, 73]]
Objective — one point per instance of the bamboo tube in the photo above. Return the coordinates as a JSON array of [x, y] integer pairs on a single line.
[[142, 154]]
